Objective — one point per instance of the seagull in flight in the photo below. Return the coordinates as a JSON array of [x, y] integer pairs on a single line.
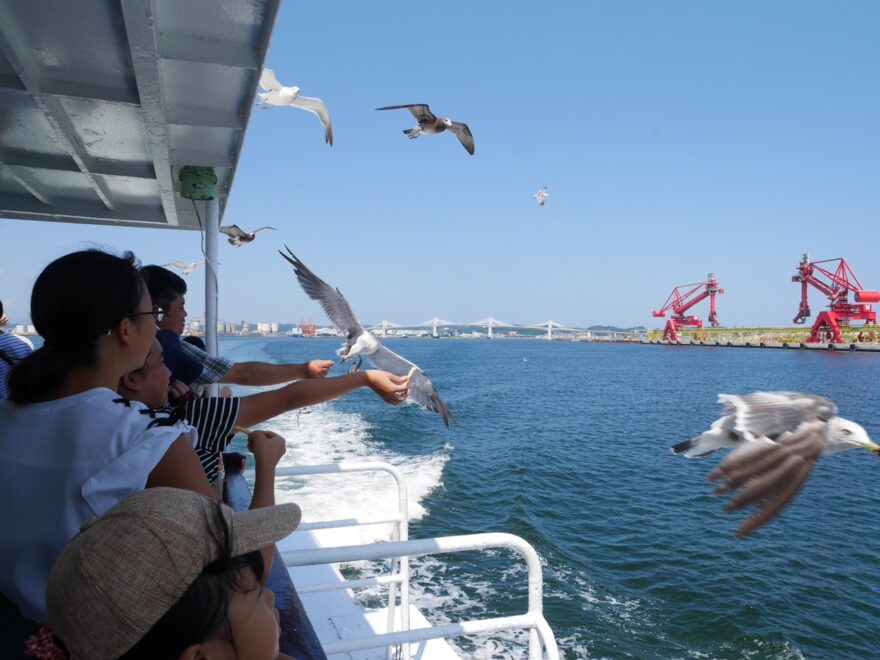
[[541, 196], [429, 124], [277, 94], [238, 236], [184, 268], [361, 343], [776, 438]]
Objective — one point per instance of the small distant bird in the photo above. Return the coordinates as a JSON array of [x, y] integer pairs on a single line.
[[184, 268], [361, 343], [237, 236], [777, 437], [541, 196], [429, 124], [276, 94]]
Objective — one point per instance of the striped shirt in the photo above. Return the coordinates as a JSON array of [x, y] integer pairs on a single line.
[[214, 418], [14, 349]]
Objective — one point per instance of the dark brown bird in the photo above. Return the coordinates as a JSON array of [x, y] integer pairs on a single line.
[[430, 124]]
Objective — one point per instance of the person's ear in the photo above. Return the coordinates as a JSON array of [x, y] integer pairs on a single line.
[[193, 652], [125, 330], [131, 381]]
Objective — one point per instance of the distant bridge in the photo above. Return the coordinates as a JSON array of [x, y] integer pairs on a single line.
[[491, 323]]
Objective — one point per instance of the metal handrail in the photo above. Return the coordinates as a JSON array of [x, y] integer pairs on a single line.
[[400, 527], [539, 630]]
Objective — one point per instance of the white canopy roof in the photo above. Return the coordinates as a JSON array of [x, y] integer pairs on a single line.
[[103, 102]]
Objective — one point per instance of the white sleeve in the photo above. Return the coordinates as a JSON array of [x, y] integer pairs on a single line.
[[142, 442]]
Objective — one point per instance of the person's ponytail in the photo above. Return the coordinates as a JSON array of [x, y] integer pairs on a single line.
[[76, 300]]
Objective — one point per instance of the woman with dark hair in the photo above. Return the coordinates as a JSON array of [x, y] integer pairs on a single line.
[[71, 446], [169, 574]]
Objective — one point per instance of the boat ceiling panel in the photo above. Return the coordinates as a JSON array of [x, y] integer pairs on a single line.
[[108, 131], [103, 102]]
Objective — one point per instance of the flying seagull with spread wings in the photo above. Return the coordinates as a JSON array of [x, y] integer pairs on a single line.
[[429, 124], [184, 268], [238, 236], [541, 196], [277, 94], [776, 438], [361, 343]]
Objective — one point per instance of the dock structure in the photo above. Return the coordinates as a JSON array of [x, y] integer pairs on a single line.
[[852, 339]]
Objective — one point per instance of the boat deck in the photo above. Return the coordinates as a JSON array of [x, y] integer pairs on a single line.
[[337, 615]]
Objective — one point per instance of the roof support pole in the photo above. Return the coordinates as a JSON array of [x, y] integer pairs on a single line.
[[212, 286]]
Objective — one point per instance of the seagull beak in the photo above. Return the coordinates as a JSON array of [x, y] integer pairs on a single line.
[[872, 447]]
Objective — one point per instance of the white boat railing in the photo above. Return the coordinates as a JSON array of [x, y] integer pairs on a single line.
[[542, 642], [399, 551], [400, 532]]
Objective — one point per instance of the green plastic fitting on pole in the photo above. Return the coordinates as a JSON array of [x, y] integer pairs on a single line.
[[197, 182]]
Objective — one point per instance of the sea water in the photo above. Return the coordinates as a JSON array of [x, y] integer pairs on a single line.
[[567, 445]]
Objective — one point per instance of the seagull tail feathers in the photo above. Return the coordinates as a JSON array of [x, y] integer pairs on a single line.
[[441, 408]]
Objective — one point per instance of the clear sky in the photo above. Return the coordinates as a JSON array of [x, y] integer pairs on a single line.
[[676, 138]]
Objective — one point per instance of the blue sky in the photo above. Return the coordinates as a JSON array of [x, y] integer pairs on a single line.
[[677, 138]]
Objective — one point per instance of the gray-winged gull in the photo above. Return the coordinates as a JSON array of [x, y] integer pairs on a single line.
[[429, 124], [777, 437], [541, 196], [237, 235], [277, 94], [361, 343], [184, 268]]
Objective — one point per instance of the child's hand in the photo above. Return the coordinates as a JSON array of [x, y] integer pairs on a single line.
[[267, 447]]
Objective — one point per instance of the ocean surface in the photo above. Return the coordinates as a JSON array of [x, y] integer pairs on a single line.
[[567, 445]]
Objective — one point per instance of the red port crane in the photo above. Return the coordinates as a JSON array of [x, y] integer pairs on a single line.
[[682, 299], [839, 283]]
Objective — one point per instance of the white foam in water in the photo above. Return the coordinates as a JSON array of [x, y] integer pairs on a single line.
[[325, 435]]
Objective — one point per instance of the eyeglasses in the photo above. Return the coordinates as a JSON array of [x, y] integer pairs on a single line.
[[157, 312]]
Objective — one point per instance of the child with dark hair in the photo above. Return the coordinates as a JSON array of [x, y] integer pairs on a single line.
[[169, 574], [168, 291], [215, 418]]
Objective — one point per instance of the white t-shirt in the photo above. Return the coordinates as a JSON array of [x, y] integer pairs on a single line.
[[62, 463]]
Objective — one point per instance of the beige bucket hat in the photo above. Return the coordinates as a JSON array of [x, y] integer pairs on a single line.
[[126, 569]]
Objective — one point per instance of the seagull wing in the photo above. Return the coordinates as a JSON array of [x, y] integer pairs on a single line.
[[771, 476], [420, 111], [771, 414], [421, 389], [464, 136], [317, 107], [269, 81], [332, 301], [176, 264], [262, 228], [233, 231]]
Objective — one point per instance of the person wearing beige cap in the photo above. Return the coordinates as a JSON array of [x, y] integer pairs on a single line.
[[169, 573]]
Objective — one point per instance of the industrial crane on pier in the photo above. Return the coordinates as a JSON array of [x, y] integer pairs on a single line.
[[682, 299], [839, 283]]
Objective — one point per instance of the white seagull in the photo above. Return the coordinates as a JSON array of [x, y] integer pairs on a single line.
[[184, 268], [541, 196], [361, 343], [776, 438], [277, 94], [238, 236], [429, 124]]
